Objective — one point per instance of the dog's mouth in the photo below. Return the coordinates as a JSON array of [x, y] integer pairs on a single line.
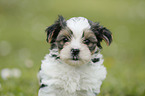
[[75, 61], [75, 58]]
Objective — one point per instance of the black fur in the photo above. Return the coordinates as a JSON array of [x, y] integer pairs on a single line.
[[53, 30], [55, 56], [101, 33], [92, 48], [53, 45], [95, 60], [42, 86], [60, 46]]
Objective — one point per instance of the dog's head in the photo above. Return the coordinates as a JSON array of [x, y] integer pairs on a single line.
[[77, 39]]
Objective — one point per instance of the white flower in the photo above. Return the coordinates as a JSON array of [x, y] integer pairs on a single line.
[[16, 72], [6, 73], [29, 63]]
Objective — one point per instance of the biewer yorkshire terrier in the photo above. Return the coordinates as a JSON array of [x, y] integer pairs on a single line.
[[74, 65]]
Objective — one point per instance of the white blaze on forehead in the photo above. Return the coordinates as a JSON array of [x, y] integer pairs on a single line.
[[77, 25]]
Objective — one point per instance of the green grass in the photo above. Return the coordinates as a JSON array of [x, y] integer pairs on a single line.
[[22, 39]]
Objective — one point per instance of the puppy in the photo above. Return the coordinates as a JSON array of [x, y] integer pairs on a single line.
[[74, 65]]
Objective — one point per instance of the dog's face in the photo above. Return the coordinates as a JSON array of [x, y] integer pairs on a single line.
[[77, 39]]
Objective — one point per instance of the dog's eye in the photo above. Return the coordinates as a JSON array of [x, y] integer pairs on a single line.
[[87, 41], [65, 39]]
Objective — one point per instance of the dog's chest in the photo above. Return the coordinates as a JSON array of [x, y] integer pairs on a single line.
[[72, 79]]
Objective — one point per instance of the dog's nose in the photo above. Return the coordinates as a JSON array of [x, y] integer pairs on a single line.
[[75, 51]]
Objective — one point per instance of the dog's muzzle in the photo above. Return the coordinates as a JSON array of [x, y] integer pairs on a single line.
[[75, 54]]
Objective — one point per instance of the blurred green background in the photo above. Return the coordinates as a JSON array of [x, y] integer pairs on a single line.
[[23, 45]]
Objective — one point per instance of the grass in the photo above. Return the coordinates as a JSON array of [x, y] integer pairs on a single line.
[[23, 45]]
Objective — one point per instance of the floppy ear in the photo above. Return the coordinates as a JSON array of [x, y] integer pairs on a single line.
[[106, 35], [101, 33], [53, 30]]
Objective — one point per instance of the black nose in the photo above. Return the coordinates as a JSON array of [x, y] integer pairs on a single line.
[[75, 52]]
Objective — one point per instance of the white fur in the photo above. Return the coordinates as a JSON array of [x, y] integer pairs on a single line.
[[65, 80], [84, 55], [67, 77], [77, 25]]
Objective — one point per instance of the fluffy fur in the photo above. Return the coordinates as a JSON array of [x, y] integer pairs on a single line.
[[74, 65]]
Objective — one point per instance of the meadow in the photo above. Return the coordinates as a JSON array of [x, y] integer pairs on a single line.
[[23, 42]]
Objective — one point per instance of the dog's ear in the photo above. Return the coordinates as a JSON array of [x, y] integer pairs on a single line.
[[101, 33], [105, 34], [53, 30]]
